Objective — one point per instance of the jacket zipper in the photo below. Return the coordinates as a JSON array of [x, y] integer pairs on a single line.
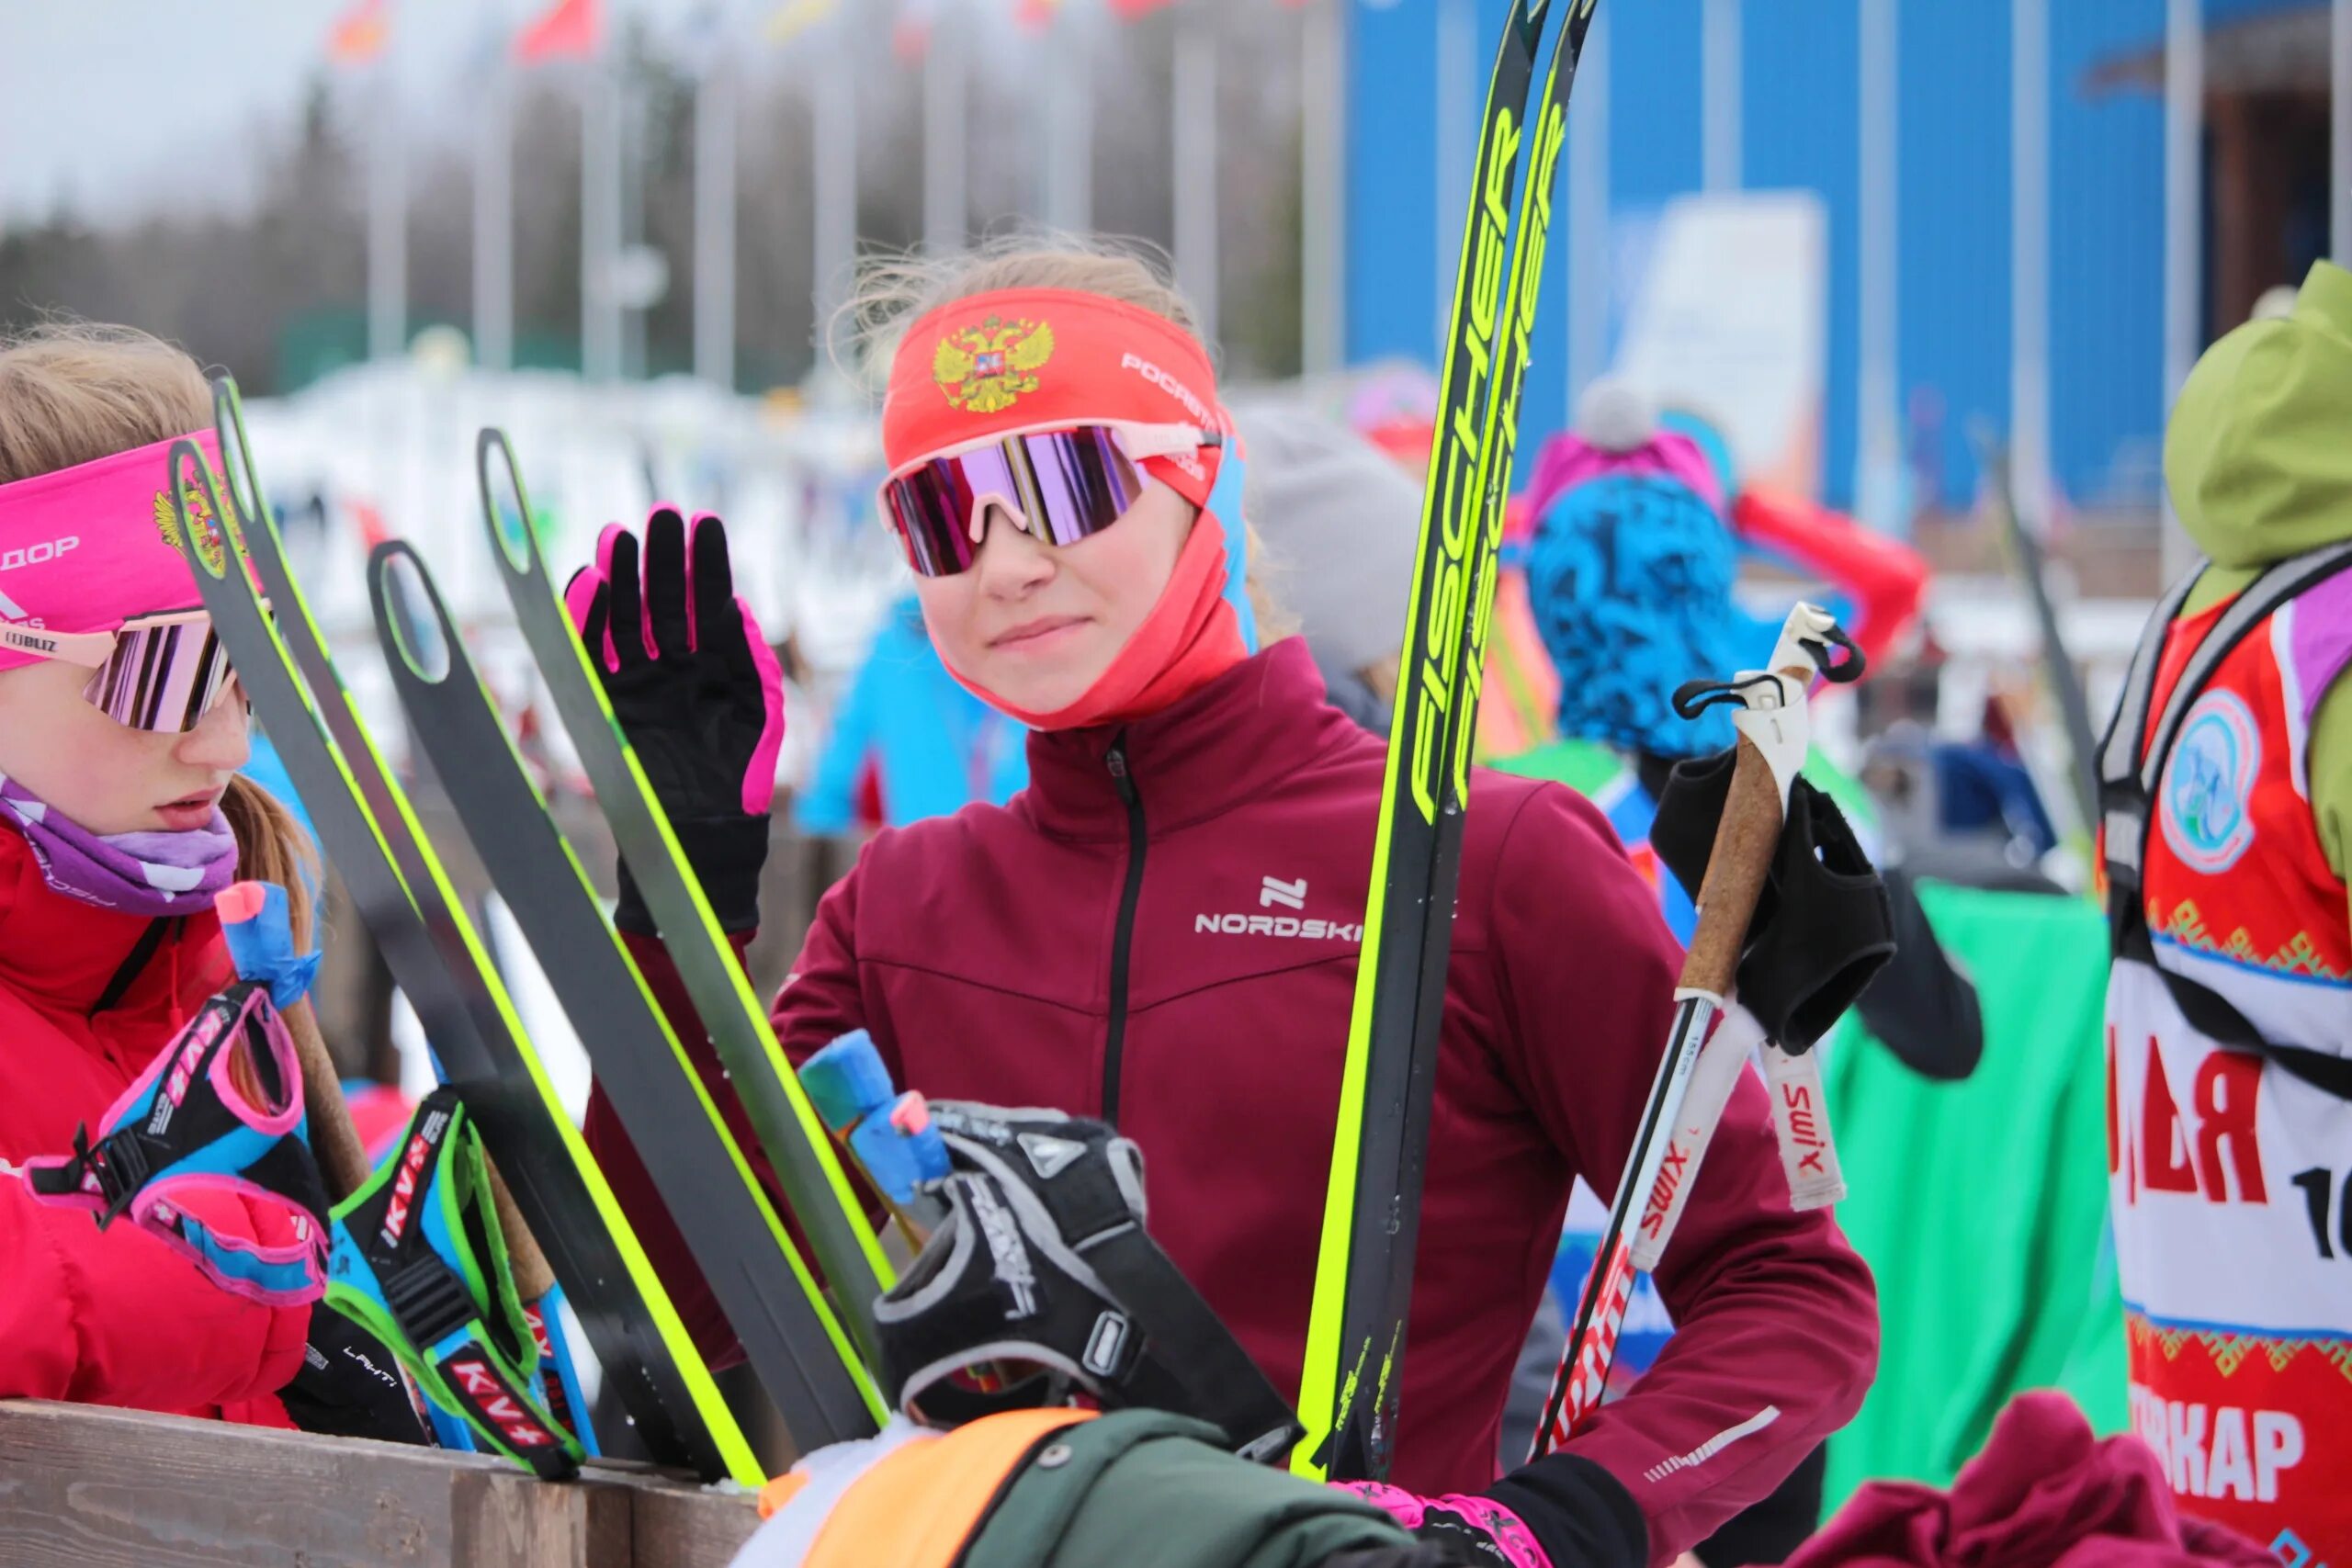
[[143, 952], [1123, 936]]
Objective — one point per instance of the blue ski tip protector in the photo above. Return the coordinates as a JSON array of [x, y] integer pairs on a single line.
[[900, 1152], [847, 1081], [261, 942]]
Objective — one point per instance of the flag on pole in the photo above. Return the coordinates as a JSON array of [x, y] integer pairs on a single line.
[[910, 33], [1035, 16], [361, 33], [1132, 10], [568, 29], [792, 19]]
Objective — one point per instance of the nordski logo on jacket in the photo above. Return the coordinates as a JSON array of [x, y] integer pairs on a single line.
[[1274, 892], [1279, 925]]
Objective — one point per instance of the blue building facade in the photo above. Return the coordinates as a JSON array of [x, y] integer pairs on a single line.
[[1800, 120]]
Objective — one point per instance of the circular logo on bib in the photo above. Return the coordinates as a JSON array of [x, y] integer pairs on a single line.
[[2209, 781]]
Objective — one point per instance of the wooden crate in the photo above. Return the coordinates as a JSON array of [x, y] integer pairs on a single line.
[[85, 1487]]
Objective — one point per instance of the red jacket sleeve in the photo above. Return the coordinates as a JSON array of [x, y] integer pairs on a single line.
[[1885, 577], [1776, 1317], [116, 1317]]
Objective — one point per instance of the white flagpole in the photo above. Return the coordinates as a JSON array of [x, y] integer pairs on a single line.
[[1323, 204], [600, 223], [2030, 256], [1878, 451], [1068, 123], [2184, 186], [715, 131], [1588, 203], [387, 223], [833, 179], [1722, 70], [946, 210], [494, 222], [1457, 44], [1194, 139]]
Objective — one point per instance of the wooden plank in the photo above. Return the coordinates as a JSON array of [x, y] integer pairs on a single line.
[[505, 1517], [87, 1487], [689, 1527]]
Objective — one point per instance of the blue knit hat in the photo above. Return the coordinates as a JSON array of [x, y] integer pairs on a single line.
[[1629, 577]]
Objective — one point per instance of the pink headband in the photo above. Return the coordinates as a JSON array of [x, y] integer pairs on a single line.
[[1567, 459], [85, 548]]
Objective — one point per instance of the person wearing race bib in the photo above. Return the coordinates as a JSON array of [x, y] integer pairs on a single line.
[[1161, 931], [121, 815], [2226, 784]]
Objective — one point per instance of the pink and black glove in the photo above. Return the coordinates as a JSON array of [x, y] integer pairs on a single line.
[[1563, 1511], [1468, 1529], [698, 693]]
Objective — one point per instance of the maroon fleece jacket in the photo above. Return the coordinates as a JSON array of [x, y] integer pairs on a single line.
[[1177, 952]]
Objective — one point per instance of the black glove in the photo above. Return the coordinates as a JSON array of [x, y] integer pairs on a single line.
[[350, 1386], [698, 693], [1821, 926]]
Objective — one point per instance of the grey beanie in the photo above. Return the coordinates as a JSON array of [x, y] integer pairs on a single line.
[[1340, 521]]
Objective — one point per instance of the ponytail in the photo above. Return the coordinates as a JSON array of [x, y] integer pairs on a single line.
[[272, 847]]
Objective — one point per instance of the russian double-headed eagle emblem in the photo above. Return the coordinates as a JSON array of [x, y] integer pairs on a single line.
[[984, 368], [213, 547]]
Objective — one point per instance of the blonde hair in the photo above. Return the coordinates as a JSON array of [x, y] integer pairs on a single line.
[[893, 292], [72, 392]]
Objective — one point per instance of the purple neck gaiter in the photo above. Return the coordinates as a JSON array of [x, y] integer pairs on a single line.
[[139, 874]]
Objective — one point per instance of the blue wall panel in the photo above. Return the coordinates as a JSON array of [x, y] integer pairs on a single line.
[[1392, 181], [1800, 120], [2106, 257], [1800, 110], [1953, 297]]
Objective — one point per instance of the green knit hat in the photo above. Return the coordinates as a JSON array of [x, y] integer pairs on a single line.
[[2259, 457]]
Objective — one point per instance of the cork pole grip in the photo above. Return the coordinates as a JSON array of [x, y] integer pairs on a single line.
[[533, 1278], [341, 1160], [1736, 872]]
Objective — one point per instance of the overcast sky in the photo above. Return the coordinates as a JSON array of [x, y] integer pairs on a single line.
[[120, 102]]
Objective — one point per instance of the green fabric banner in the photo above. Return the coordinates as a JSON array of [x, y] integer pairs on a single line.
[[1982, 1205]]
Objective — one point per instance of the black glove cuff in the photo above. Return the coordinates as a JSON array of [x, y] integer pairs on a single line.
[[727, 854], [1580, 1514]]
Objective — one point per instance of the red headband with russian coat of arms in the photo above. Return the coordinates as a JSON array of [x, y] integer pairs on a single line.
[[1038, 358], [85, 548]]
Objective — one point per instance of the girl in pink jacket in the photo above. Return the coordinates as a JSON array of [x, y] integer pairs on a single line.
[[121, 815]]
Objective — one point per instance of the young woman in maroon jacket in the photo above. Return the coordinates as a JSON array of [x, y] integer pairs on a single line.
[[121, 814], [1163, 930]]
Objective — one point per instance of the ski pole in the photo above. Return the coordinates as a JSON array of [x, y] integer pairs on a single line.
[[1774, 734]]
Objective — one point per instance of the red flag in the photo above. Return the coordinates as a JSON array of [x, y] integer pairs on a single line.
[[1036, 15], [910, 31], [1129, 10], [568, 29], [361, 33]]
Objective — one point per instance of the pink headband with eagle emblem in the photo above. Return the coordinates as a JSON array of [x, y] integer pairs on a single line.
[[85, 548]]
